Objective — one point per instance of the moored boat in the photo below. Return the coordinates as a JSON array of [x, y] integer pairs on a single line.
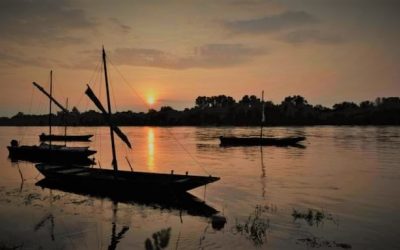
[[120, 180], [51, 137], [46, 137], [260, 141], [50, 153]]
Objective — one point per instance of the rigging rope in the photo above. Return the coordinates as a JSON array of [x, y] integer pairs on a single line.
[[96, 70], [167, 129]]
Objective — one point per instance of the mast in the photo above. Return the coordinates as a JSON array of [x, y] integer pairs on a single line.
[[65, 124], [262, 114], [51, 93], [114, 161]]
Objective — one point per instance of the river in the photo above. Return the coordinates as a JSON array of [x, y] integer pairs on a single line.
[[340, 190]]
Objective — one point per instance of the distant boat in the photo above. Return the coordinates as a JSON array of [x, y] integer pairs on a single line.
[[64, 137], [48, 152], [116, 180], [257, 141], [261, 141], [44, 137]]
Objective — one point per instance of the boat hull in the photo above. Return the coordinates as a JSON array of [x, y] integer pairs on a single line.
[[55, 154], [257, 141], [120, 181], [44, 137]]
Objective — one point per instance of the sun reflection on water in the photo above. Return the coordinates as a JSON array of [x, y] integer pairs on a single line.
[[150, 148]]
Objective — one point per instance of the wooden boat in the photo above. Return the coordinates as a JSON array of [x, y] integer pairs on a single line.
[[116, 180], [124, 180], [65, 137], [49, 153], [257, 141], [46, 137], [261, 141]]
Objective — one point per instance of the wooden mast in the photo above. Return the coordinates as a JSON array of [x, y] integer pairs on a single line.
[[51, 93], [114, 160], [65, 124], [262, 114]]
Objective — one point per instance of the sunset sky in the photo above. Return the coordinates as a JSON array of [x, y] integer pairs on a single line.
[[170, 52]]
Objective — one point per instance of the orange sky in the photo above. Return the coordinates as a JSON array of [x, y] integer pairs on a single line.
[[173, 51]]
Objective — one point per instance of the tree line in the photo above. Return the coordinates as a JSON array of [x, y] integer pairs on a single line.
[[224, 110]]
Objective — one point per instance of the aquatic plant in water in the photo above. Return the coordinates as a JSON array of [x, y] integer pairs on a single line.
[[320, 242], [255, 227], [312, 216], [160, 240]]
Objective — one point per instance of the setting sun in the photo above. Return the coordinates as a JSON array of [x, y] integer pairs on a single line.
[[150, 100]]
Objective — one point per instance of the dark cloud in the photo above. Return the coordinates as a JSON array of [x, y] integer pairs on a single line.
[[206, 56], [310, 35], [285, 20], [42, 22]]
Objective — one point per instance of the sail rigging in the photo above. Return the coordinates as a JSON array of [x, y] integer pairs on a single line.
[[98, 104]]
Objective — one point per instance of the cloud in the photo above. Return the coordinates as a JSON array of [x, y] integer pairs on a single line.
[[272, 23], [19, 60], [217, 55], [206, 56], [42, 22], [311, 35], [120, 26]]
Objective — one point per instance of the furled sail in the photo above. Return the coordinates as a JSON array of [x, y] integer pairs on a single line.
[[98, 104]]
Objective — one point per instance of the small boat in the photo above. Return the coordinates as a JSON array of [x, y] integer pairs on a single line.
[[52, 137], [50, 153], [261, 141], [124, 180], [115, 180], [45, 137], [257, 141]]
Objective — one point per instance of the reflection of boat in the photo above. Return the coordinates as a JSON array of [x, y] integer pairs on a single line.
[[48, 152], [170, 201], [261, 141], [44, 137], [50, 137], [116, 180]]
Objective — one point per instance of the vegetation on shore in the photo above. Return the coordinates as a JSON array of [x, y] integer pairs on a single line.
[[225, 111]]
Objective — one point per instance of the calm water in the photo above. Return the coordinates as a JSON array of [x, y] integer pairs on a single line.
[[350, 174]]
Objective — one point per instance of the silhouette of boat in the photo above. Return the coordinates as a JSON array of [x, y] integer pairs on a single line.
[[49, 153], [65, 137], [117, 180], [44, 137], [257, 141], [261, 141]]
